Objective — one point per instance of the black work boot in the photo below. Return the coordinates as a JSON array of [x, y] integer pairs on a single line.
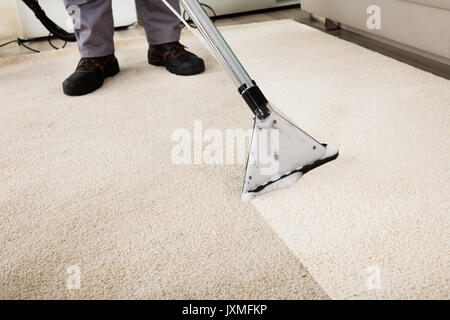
[[176, 59], [90, 74]]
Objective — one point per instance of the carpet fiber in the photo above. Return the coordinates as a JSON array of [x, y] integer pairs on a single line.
[[374, 223], [88, 189], [89, 181]]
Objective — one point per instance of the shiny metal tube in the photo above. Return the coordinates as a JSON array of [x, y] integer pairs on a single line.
[[217, 43]]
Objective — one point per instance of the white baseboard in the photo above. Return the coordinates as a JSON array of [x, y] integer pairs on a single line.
[[8, 31], [396, 44]]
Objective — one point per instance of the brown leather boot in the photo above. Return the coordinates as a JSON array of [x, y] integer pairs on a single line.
[[176, 59], [90, 74]]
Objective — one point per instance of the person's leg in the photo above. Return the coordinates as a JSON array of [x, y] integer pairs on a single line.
[[96, 26], [94, 31], [163, 31], [160, 24]]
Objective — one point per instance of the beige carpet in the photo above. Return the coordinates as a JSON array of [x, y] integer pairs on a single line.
[[89, 182], [374, 223]]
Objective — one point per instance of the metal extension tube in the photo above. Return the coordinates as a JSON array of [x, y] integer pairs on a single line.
[[222, 51], [217, 43]]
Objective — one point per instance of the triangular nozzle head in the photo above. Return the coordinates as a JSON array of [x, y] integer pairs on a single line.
[[280, 153]]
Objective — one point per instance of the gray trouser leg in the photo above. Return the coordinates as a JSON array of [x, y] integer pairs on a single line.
[[96, 32], [160, 24]]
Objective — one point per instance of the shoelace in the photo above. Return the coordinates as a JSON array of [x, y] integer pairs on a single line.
[[88, 62], [178, 45], [175, 47]]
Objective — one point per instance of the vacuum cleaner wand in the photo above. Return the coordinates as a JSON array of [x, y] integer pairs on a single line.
[[280, 152], [247, 87]]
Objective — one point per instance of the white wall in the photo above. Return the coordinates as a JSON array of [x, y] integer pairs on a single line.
[[9, 26]]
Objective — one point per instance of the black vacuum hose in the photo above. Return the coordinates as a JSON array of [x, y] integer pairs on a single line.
[[52, 27], [62, 34]]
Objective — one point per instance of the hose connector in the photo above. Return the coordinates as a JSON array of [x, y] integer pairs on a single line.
[[255, 100]]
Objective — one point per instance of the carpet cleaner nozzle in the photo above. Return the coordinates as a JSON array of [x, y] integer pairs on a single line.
[[280, 154]]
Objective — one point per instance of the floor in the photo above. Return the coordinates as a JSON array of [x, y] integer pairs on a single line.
[[142, 227], [90, 188], [291, 12]]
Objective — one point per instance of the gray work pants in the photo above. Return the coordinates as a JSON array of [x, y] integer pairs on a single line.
[[96, 27]]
